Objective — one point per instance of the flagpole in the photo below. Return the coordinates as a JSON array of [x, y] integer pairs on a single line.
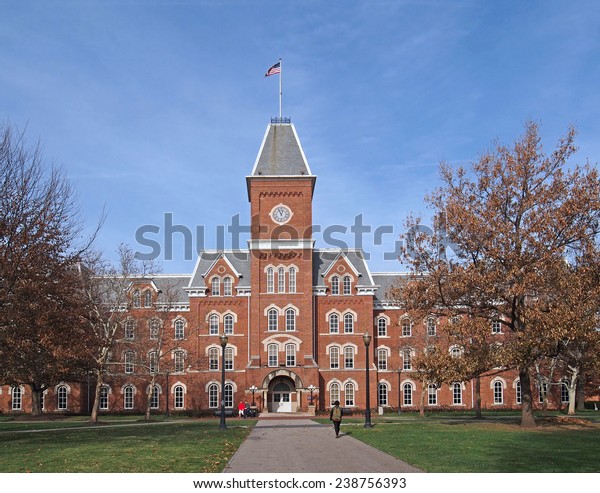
[[280, 89]]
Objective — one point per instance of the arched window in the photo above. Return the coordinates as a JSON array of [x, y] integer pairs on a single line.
[[455, 351], [290, 319], [335, 285], [273, 355], [348, 357], [227, 286], [16, 398], [61, 398], [213, 358], [334, 323], [104, 392], [348, 323], [228, 396], [347, 283], [216, 286], [281, 280], [406, 359], [147, 299], [179, 397], [292, 272], [270, 280], [154, 400], [334, 393], [213, 396], [213, 325], [456, 394], [381, 327], [128, 397], [431, 326], [179, 329], [498, 393], [129, 329], [272, 320], [229, 358], [128, 359], [382, 394], [432, 394], [406, 327], [137, 299], [154, 325], [290, 355], [153, 362], [349, 394], [179, 361], [228, 324], [382, 357], [407, 394], [334, 357]]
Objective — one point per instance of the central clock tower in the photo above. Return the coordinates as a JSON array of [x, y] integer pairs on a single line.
[[280, 191]]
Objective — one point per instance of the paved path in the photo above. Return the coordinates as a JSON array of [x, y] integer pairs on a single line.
[[303, 446]]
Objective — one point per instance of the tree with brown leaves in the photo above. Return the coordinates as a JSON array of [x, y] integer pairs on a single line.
[[42, 310], [513, 220]]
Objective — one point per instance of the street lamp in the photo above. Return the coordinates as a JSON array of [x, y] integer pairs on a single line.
[[367, 341], [224, 339], [167, 389], [311, 388], [253, 389]]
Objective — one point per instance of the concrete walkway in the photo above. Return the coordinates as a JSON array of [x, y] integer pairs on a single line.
[[303, 446]]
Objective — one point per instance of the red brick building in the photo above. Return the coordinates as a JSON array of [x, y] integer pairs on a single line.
[[294, 316]]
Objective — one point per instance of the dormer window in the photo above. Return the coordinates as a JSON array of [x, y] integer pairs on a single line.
[[347, 282], [137, 299], [335, 285], [227, 286], [216, 286], [147, 299]]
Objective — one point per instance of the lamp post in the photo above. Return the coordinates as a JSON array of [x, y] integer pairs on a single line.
[[167, 389], [253, 389], [399, 390], [224, 339], [367, 341], [311, 388]]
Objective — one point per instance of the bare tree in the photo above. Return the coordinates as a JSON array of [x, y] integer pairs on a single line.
[[107, 289]]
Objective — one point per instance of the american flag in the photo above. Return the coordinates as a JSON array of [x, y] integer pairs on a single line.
[[275, 69]]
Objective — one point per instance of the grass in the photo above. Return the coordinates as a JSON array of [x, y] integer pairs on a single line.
[[73, 445], [446, 444]]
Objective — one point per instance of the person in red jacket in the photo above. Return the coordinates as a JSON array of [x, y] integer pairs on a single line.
[[241, 408]]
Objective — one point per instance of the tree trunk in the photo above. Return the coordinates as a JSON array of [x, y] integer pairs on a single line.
[[149, 397], [573, 390], [96, 405], [478, 414], [36, 399], [527, 417], [580, 399]]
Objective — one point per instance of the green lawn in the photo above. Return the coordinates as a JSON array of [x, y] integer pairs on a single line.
[[493, 445], [120, 446]]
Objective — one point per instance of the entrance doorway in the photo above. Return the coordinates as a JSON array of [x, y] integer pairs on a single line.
[[281, 397]]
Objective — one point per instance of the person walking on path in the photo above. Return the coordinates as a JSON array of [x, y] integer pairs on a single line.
[[241, 409], [336, 416]]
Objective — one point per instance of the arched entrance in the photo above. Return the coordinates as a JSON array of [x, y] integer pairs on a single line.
[[282, 391]]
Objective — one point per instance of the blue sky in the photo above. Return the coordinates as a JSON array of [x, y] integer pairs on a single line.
[[155, 107]]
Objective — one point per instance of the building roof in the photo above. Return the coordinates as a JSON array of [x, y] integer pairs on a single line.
[[281, 153]]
